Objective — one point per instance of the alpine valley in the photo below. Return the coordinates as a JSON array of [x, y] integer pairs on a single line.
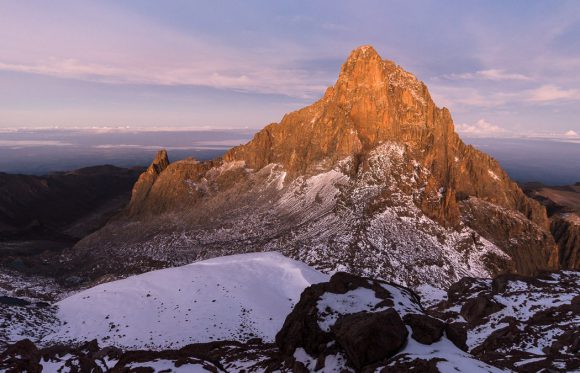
[[358, 234]]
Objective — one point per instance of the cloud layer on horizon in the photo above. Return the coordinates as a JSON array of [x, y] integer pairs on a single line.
[[180, 64]]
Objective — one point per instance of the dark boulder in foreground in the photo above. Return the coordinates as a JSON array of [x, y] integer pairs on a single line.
[[369, 337], [364, 325], [426, 329]]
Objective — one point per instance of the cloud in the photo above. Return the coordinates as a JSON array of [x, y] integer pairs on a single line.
[[481, 128], [457, 97], [547, 93], [278, 80], [126, 47], [571, 133], [491, 74], [31, 143], [453, 96]]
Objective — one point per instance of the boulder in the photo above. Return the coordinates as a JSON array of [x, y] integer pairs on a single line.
[[353, 317], [457, 333], [369, 337], [476, 309], [301, 328], [426, 329], [22, 356]]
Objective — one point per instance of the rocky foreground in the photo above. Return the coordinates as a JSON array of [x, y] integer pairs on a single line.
[[358, 324]]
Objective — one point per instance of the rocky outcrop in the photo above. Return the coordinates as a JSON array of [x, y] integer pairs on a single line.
[[563, 206], [147, 180], [525, 324], [352, 323], [333, 318], [372, 179], [566, 231], [426, 329], [221, 356], [531, 246], [359, 323], [368, 338]]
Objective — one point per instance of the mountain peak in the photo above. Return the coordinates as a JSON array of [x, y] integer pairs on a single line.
[[363, 64], [364, 51], [366, 74], [374, 148]]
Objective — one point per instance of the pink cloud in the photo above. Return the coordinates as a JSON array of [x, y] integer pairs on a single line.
[[481, 128]]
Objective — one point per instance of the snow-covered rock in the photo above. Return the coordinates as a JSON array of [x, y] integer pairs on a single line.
[[205, 316], [522, 323]]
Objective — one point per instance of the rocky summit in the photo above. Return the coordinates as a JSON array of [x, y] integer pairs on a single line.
[[371, 179]]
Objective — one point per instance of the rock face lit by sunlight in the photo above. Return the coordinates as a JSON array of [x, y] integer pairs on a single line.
[[352, 182]]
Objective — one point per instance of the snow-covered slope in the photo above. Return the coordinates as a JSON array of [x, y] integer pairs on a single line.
[[236, 297]]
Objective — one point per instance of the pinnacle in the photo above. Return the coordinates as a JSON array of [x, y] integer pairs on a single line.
[[160, 162], [364, 52], [366, 49], [363, 65], [161, 157]]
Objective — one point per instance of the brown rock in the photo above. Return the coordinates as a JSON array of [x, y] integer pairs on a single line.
[[463, 288], [566, 232], [22, 356], [497, 339], [457, 333], [426, 329], [531, 247], [403, 365], [474, 310], [364, 337], [501, 282], [370, 337], [301, 327], [146, 181]]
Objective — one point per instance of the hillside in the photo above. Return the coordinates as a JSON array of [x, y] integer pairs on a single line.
[[42, 215]]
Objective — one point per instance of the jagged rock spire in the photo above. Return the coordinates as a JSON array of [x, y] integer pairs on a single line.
[[147, 179]]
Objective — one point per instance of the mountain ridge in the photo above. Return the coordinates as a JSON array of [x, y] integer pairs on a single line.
[[371, 177]]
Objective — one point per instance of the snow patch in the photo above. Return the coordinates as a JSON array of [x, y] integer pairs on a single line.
[[493, 175], [235, 297]]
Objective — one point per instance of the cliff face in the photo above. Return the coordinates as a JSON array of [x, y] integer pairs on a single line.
[[375, 101], [563, 205], [372, 178], [146, 181], [566, 231]]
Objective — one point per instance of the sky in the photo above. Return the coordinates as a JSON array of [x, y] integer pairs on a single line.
[[504, 69]]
